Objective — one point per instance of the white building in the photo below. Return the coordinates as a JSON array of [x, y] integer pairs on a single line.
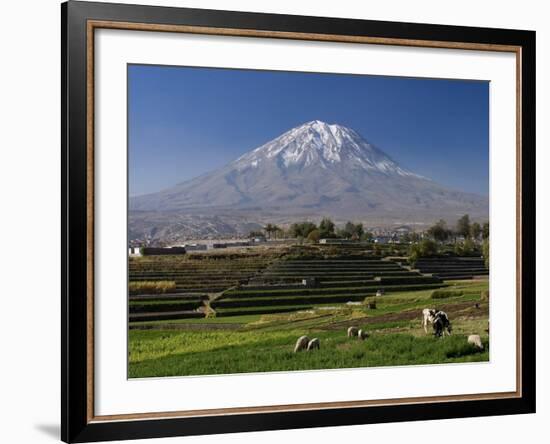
[[134, 251]]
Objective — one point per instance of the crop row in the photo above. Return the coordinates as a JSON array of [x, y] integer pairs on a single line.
[[290, 300], [240, 294], [163, 306], [239, 311], [161, 316], [168, 297], [403, 280]]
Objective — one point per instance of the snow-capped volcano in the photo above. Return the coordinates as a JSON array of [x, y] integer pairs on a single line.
[[318, 144], [315, 169]]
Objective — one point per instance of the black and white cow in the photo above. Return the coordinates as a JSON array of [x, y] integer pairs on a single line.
[[441, 324], [428, 316]]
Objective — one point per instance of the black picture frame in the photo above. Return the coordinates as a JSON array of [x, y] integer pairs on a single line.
[[76, 423]]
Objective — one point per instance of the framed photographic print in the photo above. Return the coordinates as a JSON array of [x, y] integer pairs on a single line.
[[276, 221]]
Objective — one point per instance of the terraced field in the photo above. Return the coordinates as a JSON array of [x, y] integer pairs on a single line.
[[232, 313], [287, 285], [453, 267], [197, 280]]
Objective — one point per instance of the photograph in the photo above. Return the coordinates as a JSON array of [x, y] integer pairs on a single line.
[[285, 221]]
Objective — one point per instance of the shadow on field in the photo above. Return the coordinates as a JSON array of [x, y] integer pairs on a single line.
[[467, 350]]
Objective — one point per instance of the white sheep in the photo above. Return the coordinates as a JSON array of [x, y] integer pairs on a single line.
[[352, 331], [314, 344], [475, 340], [301, 344]]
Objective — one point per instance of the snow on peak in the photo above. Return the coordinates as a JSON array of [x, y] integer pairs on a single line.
[[319, 144]]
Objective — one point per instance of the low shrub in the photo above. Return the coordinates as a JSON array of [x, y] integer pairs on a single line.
[[485, 295], [442, 294], [151, 287]]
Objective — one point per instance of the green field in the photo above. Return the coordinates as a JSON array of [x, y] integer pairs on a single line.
[[248, 340]]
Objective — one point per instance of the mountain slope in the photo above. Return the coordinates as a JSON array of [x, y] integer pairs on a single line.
[[316, 169]]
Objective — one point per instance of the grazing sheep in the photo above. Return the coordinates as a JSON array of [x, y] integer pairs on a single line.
[[441, 324], [428, 316], [362, 334], [475, 340], [301, 344], [314, 344], [352, 331]]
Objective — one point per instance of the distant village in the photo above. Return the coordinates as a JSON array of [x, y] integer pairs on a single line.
[[375, 235]]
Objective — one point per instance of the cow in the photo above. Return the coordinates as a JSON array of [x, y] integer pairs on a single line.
[[362, 334], [428, 316], [352, 332], [441, 324], [475, 340], [313, 344], [301, 344]]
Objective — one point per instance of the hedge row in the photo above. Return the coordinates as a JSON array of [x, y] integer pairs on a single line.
[[314, 298], [404, 280], [162, 316], [300, 286], [351, 289], [164, 307], [431, 269], [442, 294], [259, 310], [291, 300]]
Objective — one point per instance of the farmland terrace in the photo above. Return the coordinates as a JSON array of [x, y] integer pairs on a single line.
[[453, 267], [254, 284], [289, 285]]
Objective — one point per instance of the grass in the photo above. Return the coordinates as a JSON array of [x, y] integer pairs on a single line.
[[260, 343], [171, 353], [442, 294]]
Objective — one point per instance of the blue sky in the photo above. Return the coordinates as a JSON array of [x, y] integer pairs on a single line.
[[183, 122]]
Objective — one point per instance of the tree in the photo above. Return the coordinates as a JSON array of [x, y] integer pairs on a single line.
[[253, 234], [352, 231], [269, 228], [326, 228], [465, 248], [359, 230], [278, 231], [348, 231], [302, 229], [475, 230], [428, 247], [425, 248], [463, 226], [439, 231], [485, 230], [314, 236]]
